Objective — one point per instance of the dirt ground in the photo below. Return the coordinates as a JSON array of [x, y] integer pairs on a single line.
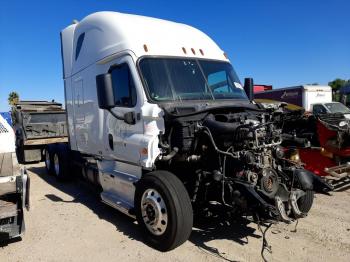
[[67, 223]]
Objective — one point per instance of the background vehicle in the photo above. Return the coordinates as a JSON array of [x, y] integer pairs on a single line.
[[330, 108], [159, 121], [319, 142], [36, 124], [261, 88], [14, 186], [303, 96]]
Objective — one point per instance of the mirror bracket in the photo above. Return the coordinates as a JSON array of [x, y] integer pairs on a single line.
[[129, 118]]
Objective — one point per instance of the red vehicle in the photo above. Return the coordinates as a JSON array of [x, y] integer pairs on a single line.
[[261, 88], [320, 143], [323, 145]]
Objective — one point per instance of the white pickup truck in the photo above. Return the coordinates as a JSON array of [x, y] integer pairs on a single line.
[[330, 108]]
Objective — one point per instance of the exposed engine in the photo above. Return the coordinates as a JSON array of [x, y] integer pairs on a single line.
[[238, 162]]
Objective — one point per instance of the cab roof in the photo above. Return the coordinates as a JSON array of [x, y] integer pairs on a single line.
[[103, 34]]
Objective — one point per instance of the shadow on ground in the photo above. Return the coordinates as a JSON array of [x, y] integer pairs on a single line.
[[4, 243], [83, 193], [204, 231], [215, 228]]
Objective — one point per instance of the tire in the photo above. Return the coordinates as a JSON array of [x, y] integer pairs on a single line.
[[19, 146], [305, 202], [175, 216], [20, 154], [60, 162], [49, 150]]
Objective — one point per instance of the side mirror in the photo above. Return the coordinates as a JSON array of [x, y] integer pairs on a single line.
[[105, 93], [249, 88]]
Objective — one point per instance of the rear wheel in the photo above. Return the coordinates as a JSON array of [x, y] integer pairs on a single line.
[[20, 154], [60, 162], [48, 154], [163, 210]]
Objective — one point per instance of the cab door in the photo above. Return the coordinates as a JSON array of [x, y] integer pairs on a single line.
[[124, 139]]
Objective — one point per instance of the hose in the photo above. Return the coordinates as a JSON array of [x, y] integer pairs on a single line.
[[170, 155], [208, 133]]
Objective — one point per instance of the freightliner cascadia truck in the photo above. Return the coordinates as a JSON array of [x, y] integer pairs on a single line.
[[159, 121]]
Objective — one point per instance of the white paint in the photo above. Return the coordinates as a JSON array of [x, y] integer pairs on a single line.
[[108, 33], [316, 94], [7, 137], [114, 38]]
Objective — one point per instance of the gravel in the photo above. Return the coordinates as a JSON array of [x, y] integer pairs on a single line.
[[68, 223]]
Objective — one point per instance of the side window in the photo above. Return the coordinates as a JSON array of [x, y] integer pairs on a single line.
[[218, 82], [79, 45], [319, 109], [123, 86]]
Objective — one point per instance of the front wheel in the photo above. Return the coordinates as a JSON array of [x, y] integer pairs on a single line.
[[305, 202], [163, 210]]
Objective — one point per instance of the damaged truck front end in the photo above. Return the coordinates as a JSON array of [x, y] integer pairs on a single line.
[[232, 156], [205, 148], [224, 148]]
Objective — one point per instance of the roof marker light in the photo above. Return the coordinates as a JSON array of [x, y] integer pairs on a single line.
[[194, 52], [200, 50], [145, 48], [225, 55], [184, 50]]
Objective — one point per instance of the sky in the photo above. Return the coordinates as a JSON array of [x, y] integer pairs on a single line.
[[283, 43]]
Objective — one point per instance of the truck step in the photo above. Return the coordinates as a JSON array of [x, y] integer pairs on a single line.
[[118, 204], [7, 209]]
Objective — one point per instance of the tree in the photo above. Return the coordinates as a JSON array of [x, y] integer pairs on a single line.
[[13, 98], [338, 83]]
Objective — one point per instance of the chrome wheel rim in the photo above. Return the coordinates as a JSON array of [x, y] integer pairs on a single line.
[[47, 160], [56, 164], [154, 212]]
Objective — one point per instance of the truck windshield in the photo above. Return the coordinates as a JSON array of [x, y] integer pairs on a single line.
[[337, 108], [170, 79]]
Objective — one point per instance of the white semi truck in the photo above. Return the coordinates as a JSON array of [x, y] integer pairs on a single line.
[[159, 121]]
